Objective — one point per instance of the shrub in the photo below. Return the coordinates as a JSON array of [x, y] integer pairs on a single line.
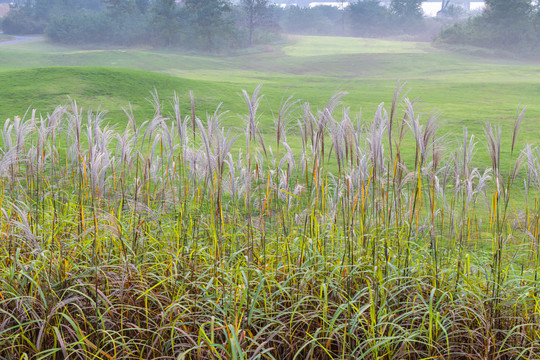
[[20, 21], [80, 27], [131, 30]]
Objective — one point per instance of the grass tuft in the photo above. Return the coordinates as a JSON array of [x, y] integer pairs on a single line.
[[176, 238]]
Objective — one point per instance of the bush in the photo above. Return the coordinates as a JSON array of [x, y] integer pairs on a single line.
[[407, 9], [21, 21], [34, 16], [130, 30], [81, 27]]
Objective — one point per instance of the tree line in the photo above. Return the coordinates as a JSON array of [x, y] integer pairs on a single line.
[[512, 25], [203, 24], [221, 24], [125, 22]]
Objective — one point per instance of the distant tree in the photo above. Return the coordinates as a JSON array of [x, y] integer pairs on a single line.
[[32, 16], [509, 21], [142, 5], [120, 7], [207, 18], [506, 24], [319, 20], [256, 11], [82, 27], [65, 6], [164, 19], [407, 9], [507, 11], [368, 18], [21, 20]]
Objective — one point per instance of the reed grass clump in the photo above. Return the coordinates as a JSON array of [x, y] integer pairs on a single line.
[[176, 238]]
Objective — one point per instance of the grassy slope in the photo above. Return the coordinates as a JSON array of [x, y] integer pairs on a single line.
[[44, 88], [468, 91]]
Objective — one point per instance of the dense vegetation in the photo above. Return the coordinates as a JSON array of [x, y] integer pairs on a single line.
[[180, 239], [197, 24], [217, 25], [512, 25], [205, 24]]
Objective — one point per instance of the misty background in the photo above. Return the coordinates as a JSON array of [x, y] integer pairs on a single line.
[[221, 25]]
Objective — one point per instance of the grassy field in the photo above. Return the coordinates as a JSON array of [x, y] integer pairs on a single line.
[[110, 88], [320, 236], [466, 90]]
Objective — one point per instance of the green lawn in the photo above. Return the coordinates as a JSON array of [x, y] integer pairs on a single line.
[[466, 90], [112, 88]]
